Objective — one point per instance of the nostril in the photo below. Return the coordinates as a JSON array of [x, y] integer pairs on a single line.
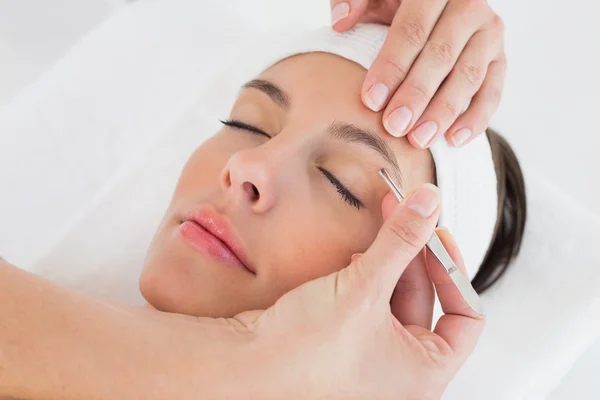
[[252, 191]]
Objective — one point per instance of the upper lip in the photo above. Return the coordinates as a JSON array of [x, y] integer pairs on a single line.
[[220, 228]]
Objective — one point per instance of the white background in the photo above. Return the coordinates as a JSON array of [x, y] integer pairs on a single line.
[[548, 112]]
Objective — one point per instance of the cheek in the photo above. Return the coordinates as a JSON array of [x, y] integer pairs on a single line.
[[203, 168], [312, 248]]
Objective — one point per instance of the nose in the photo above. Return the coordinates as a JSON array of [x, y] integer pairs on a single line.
[[250, 177]]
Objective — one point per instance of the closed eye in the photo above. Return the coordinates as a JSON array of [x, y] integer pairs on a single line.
[[245, 127], [346, 195]]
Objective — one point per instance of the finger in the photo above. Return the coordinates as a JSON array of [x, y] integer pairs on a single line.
[[484, 104], [399, 241], [454, 95], [460, 327], [413, 297], [450, 298], [432, 66], [406, 37], [345, 14]]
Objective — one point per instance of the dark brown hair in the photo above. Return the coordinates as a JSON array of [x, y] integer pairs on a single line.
[[512, 213]]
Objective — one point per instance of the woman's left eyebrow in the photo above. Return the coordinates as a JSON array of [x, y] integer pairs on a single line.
[[279, 97]]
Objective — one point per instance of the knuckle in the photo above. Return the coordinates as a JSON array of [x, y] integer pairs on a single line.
[[408, 233], [438, 350], [503, 61], [394, 68], [414, 32], [473, 73], [420, 89], [441, 51], [471, 4], [498, 23], [451, 109], [495, 95]]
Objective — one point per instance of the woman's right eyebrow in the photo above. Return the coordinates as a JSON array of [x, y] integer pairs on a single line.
[[351, 133], [276, 94]]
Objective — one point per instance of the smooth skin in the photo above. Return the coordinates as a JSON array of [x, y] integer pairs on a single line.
[[440, 57], [308, 345]]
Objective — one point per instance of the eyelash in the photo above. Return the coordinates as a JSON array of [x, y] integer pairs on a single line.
[[244, 127], [346, 195]]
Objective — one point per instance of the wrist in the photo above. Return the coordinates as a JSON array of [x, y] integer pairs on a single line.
[[231, 361], [210, 359], [266, 368]]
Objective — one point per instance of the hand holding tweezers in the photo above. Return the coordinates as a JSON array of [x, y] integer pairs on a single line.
[[439, 251]]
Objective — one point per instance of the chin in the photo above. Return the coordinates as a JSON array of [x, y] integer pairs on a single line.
[[172, 292], [160, 292]]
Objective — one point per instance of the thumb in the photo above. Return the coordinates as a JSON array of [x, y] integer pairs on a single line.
[[400, 239], [346, 13]]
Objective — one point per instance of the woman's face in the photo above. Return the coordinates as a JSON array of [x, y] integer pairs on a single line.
[[290, 183]]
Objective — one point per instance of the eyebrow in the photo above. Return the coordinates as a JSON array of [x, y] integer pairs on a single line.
[[276, 94], [351, 133]]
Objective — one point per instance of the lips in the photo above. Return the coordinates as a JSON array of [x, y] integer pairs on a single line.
[[210, 233]]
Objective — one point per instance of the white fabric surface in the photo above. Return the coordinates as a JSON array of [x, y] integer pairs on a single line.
[[546, 311], [64, 138], [118, 97]]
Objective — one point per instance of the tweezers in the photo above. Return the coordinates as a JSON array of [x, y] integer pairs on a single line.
[[441, 254]]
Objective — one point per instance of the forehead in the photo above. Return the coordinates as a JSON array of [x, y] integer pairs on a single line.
[[323, 88], [322, 84]]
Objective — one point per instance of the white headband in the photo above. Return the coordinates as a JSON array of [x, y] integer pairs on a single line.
[[466, 176]]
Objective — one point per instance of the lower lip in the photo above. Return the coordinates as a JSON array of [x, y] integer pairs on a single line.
[[208, 244]]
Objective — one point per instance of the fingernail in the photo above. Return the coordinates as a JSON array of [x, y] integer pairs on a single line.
[[355, 256], [376, 96], [424, 133], [461, 136], [424, 200], [339, 12], [397, 121]]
